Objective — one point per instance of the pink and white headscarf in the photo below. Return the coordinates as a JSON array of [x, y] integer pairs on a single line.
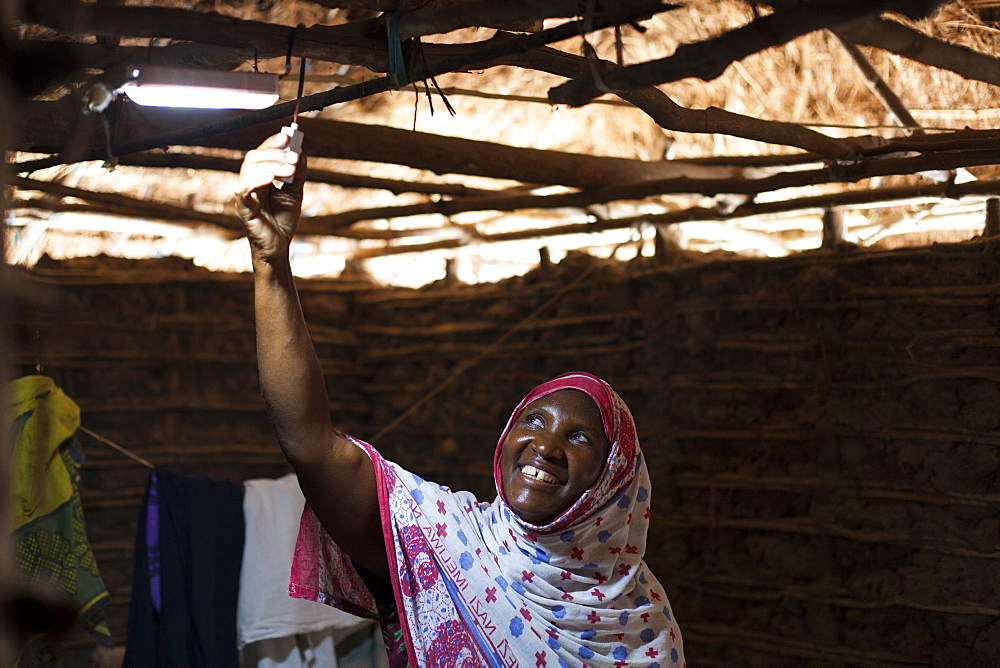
[[475, 585]]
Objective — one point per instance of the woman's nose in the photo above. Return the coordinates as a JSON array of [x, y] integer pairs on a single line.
[[544, 443]]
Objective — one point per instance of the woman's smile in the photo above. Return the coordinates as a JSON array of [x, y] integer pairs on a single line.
[[535, 474]]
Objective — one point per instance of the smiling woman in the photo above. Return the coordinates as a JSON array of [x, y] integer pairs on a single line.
[[550, 573]]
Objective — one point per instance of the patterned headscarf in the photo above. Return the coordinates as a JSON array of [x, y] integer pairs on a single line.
[[476, 585]]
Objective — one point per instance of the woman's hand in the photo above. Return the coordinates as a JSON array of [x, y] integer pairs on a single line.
[[270, 214]]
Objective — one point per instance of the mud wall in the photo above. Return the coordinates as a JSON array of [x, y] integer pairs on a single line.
[[823, 431]]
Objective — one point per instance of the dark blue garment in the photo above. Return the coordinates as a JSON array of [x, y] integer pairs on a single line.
[[201, 530]]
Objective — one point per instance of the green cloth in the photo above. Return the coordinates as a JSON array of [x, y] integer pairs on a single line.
[[50, 535]]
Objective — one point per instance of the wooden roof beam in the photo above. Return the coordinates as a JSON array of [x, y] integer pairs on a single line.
[[709, 58], [845, 199], [488, 51], [672, 116], [918, 47], [116, 204], [658, 106], [877, 85], [203, 162], [681, 186], [356, 43], [446, 16], [129, 205], [347, 43]]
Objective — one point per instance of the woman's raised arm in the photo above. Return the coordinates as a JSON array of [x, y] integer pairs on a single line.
[[337, 477]]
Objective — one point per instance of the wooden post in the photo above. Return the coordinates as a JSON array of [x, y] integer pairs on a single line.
[[544, 258], [992, 227], [833, 229]]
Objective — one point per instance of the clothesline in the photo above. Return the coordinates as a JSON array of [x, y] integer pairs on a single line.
[[469, 363], [117, 447]]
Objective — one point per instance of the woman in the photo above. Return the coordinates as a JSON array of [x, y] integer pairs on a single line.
[[549, 574]]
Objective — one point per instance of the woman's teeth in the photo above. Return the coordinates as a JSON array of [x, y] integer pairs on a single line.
[[535, 474]]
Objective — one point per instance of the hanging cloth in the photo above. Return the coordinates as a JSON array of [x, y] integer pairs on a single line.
[[272, 509], [186, 572], [50, 535]]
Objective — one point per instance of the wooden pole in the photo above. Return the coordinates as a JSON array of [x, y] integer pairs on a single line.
[[709, 58], [877, 85], [992, 227], [833, 228]]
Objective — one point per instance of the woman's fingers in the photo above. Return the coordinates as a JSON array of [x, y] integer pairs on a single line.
[[263, 164], [247, 205], [258, 173], [252, 179]]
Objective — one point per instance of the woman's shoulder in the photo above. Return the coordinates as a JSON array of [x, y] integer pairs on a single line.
[[442, 497]]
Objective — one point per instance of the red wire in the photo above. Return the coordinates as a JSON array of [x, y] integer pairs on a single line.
[[302, 79]]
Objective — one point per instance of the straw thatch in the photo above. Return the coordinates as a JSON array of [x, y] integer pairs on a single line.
[[750, 118]]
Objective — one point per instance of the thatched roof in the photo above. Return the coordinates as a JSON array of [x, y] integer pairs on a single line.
[[759, 128]]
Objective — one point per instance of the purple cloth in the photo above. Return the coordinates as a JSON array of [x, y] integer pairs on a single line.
[[153, 542]]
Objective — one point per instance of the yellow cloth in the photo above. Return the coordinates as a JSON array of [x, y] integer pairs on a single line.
[[50, 534], [45, 418]]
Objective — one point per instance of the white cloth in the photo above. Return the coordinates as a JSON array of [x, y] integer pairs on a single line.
[[361, 648], [308, 650], [264, 609]]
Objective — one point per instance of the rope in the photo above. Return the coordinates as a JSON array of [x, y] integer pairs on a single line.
[[397, 68], [468, 364], [117, 447]]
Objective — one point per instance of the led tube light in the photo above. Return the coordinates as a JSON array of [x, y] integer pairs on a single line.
[[159, 86]]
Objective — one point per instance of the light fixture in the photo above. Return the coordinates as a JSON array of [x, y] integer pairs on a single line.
[[159, 86]]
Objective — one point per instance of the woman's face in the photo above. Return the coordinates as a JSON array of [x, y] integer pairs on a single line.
[[553, 453]]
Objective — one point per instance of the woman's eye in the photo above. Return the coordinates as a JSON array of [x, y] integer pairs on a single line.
[[534, 421], [580, 438]]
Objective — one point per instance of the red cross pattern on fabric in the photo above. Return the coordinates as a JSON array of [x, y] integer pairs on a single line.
[[598, 521], [539, 659], [566, 596], [441, 507], [645, 617], [624, 569], [652, 592], [525, 613], [645, 515], [652, 653], [442, 529], [598, 594], [621, 662], [593, 617], [577, 554], [672, 636], [600, 578], [631, 549], [615, 550], [491, 594], [527, 576], [565, 575]]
